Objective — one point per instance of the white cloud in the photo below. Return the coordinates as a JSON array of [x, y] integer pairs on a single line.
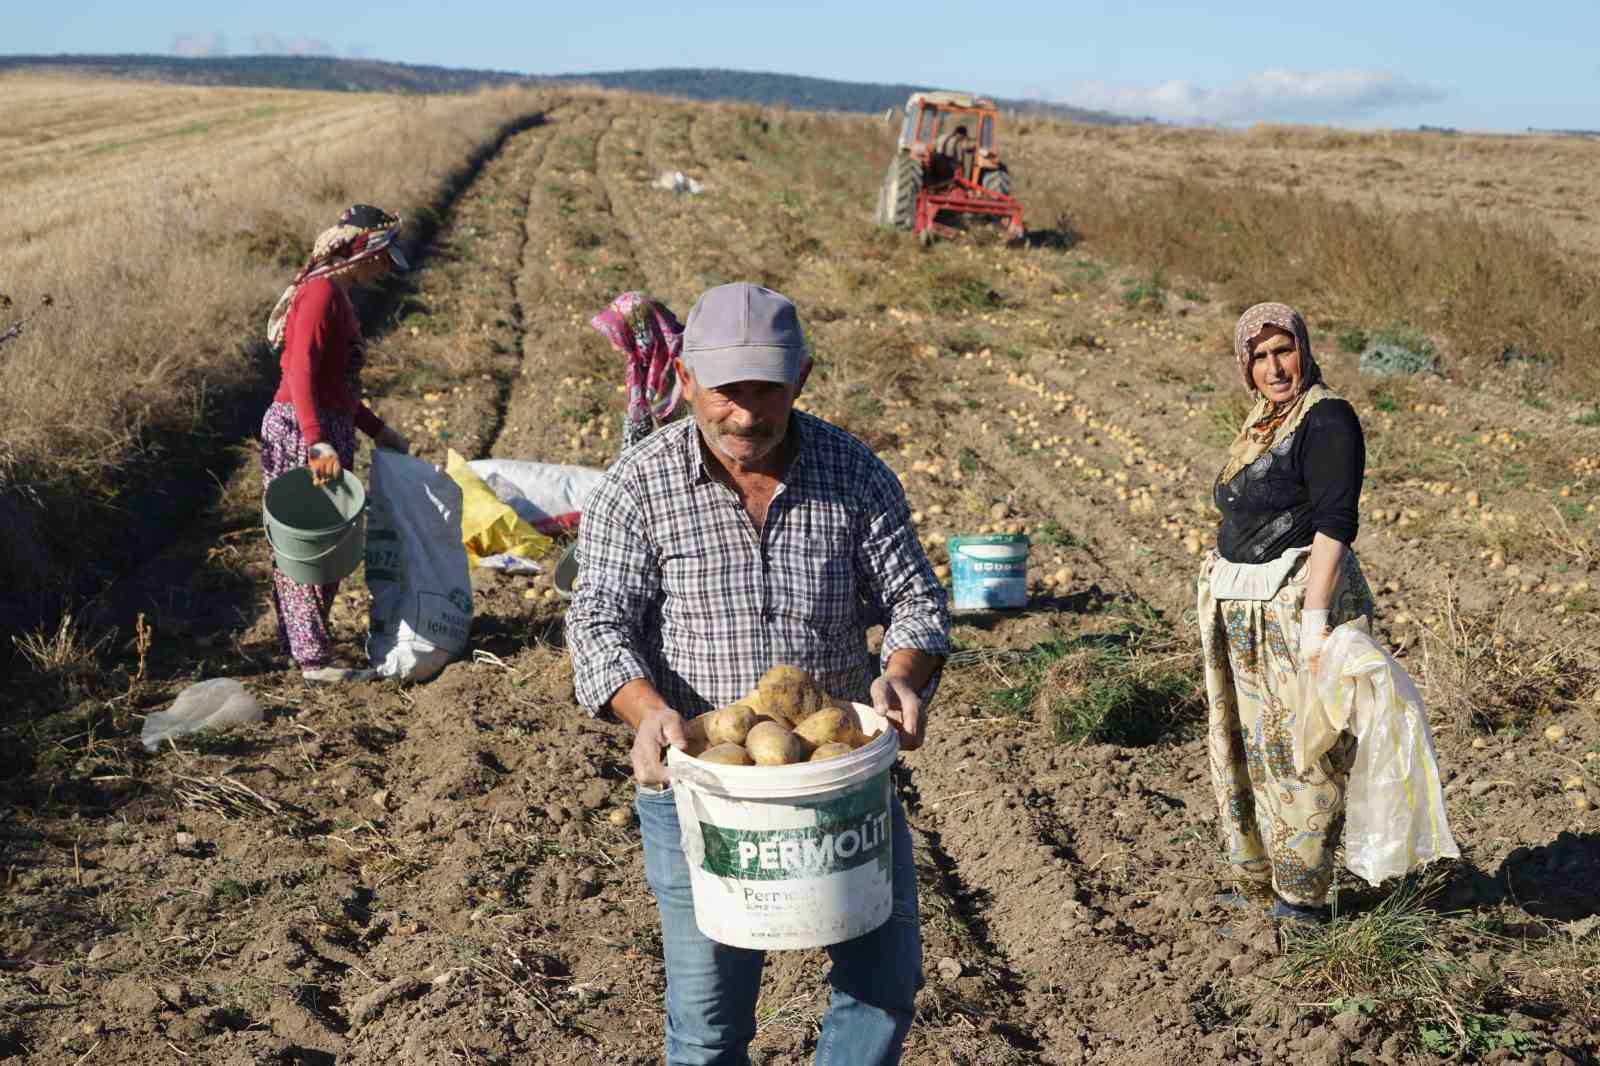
[[271, 44], [200, 45], [1271, 96]]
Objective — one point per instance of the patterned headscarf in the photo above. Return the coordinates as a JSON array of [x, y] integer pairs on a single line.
[[1270, 423], [650, 337], [363, 232]]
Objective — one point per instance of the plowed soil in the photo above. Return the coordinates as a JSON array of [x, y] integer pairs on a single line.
[[451, 871]]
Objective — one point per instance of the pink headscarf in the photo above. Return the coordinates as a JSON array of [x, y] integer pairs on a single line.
[[650, 337]]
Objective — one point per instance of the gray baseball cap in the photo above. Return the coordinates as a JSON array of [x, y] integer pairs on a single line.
[[742, 332]]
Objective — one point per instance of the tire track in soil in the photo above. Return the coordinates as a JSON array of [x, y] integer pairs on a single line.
[[432, 767], [1115, 842], [450, 386], [530, 842], [1032, 832]]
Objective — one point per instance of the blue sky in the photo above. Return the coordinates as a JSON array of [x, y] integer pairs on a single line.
[[1472, 64]]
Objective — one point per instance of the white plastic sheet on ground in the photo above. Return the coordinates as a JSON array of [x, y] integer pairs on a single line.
[[416, 568], [677, 181], [218, 704], [548, 496], [1394, 806]]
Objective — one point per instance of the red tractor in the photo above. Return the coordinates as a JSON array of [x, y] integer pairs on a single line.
[[946, 162]]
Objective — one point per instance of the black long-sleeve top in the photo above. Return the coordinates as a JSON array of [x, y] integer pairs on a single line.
[[1308, 484]]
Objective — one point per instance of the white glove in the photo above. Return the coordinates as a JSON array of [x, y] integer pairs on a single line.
[[1313, 636]]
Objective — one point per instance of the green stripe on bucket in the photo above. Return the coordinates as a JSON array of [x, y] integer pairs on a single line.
[[850, 832]]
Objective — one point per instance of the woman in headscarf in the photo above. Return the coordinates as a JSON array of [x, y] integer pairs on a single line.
[[1282, 577], [317, 409], [649, 336]]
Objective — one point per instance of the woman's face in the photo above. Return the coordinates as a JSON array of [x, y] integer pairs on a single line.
[[1275, 364], [369, 271]]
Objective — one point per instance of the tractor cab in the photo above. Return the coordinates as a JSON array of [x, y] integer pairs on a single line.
[[951, 132], [946, 161]]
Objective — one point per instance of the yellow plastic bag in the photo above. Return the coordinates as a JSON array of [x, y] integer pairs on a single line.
[[489, 527]]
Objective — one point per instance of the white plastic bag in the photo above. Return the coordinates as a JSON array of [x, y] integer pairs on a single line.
[[416, 568], [1395, 818], [548, 496], [220, 703]]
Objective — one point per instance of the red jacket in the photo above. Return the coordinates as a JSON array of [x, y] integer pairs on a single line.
[[321, 328]]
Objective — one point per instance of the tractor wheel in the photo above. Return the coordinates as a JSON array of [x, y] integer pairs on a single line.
[[998, 180], [897, 200]]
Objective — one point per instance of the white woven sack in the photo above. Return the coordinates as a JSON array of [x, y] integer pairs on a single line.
[[416, 568]]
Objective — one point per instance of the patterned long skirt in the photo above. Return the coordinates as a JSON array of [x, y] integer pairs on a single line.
[[303, 610], [1279, 828]]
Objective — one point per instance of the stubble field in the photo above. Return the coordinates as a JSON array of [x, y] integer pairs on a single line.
[[450, 873]]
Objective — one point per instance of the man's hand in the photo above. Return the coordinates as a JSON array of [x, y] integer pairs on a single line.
[[656, 731], [894, 697]]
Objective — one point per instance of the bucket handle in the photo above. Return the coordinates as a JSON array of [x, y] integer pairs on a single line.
[[689, 835], [317, 558]]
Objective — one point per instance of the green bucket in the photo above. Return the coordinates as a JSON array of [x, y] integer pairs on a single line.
[[318, 533]]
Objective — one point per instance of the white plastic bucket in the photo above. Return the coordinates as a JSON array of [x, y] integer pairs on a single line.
[[790, 856], [989, 570]]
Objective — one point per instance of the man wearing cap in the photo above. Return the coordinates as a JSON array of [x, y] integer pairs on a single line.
[[748, 536]]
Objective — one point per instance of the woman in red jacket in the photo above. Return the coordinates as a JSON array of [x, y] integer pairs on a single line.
[[318, 408]]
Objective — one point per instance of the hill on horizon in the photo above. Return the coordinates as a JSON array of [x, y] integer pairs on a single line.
[[801, 91], [370, 75], [323, 73]]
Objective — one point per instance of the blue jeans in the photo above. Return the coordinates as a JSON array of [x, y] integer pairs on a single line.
[[712, 988]]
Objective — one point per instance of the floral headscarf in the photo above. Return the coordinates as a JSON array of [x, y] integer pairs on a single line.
[[650, 337], [363, 232], [1270, 423]]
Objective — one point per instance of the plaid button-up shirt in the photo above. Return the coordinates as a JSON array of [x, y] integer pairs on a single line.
[[678, 586]]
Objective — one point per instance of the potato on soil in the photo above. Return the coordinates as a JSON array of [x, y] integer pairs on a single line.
[[727, 755], [730, 724], [770, 744], [831, 750]]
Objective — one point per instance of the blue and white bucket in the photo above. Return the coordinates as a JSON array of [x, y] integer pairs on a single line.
[[989, 571]]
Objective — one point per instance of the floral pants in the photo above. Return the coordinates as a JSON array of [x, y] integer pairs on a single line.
[[303, 610], [1278, 827]]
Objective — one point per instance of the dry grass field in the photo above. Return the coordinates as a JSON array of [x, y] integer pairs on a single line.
[[449, 872], [161, 222]]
